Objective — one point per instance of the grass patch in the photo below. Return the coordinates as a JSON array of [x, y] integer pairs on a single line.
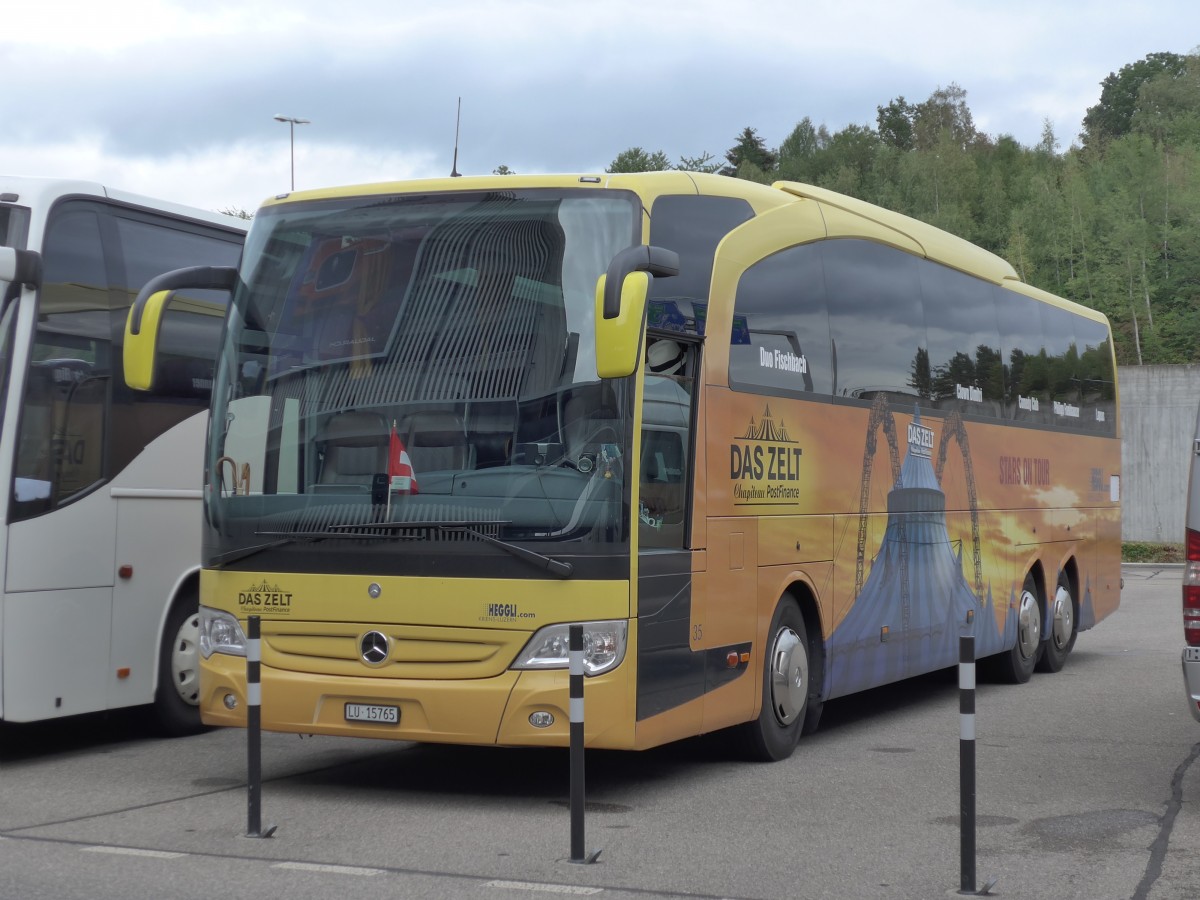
[[1145, 552]]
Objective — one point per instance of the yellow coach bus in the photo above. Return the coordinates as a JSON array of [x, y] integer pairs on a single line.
[[770, 445]]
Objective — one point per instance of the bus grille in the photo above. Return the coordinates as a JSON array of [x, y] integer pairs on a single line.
[[414, 652]]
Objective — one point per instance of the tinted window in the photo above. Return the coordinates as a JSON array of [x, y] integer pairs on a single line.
[[966, 369], [692, 226], [192, 323], [1062, 365], [1027, 398], [61, 446], [80, 424], [781, 335], [1097, 381], [875, 321]]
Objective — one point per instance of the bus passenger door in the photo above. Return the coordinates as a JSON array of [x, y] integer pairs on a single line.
[[670, 670]]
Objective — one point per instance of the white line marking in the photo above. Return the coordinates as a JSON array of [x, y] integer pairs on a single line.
[[134, 851], [330, 870], [543, 888]]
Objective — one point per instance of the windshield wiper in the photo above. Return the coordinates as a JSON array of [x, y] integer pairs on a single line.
[[381, 531], [546, 563], [282, 538]]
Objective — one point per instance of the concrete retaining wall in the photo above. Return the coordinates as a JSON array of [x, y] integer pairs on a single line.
[[1158, 421]]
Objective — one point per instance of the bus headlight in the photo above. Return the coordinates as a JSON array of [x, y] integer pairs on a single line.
[[603, 647], [220, 633]]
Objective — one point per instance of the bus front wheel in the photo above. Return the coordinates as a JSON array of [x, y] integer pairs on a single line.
[[786, 705], [177, 699]]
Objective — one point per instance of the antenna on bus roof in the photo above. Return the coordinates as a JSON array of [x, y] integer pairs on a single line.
[[454, 173]]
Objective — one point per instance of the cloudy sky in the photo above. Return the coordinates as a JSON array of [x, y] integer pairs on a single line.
[[176, 99]]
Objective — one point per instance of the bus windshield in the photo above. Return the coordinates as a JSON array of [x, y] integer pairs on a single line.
[[412, 377]]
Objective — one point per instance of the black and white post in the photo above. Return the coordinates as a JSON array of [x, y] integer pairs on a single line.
[[575, 695], [966, 762], [254, 731]]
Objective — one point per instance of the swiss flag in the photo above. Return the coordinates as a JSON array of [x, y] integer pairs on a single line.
[[402, 478]]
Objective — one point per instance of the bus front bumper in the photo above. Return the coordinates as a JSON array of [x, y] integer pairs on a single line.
[[1191, 679], [526, 708]]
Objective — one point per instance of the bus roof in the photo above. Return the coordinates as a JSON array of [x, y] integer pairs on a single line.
[[930, 241], [40, 192]]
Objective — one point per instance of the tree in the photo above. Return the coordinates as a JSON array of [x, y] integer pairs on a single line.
[[945, 111], [503, 170], [702, 163], [895, 123], [1113, 115], [797, 153], [749, 149], [1168, 105], [635, 159], [236, 212], [853, 148], [1110, 224]]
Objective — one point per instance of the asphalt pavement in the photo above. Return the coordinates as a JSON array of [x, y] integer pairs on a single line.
[[1087, 786]]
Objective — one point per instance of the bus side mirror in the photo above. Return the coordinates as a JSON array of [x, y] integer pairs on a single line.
[[20, 266], [144, 322], [621, 306]]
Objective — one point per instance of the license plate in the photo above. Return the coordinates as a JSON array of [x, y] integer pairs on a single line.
[[361, 712]]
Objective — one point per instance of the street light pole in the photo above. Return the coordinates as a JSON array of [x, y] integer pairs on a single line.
[[292, 122]]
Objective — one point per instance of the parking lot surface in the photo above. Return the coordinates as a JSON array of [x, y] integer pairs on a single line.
[[1087, 787]]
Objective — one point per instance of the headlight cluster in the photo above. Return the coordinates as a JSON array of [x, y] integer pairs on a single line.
[[603, 647], [220, 633]]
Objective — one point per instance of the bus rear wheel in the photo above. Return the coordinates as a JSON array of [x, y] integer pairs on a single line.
[[1064, 628], [1016, 665], [177, 699], [787, 708]]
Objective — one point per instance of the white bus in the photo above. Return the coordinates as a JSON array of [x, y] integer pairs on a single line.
[[100, 544]]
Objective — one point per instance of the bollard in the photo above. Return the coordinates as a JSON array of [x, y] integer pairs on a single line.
[[254, 731], [575, 648], [966, 762]]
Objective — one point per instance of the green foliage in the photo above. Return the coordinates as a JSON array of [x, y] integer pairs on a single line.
[[702, 163], [751, 149], [895, 123], [1113, 224], [1142, 552], [635, 159], [1113, 116]]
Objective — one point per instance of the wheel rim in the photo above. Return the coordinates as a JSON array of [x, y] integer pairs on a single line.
[[1029, 625], [185, 661], [1062, 625], [789, 676]]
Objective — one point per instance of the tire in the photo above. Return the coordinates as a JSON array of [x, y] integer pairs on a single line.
[[177, 700], [1064, 628], [790, 702], [1015, 666]]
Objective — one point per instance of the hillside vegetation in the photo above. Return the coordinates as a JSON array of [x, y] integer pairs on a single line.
[[1113, 222]]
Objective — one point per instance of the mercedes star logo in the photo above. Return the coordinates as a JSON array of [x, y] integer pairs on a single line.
[[374, 648]]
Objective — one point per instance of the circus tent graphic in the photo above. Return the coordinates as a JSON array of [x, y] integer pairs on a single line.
[[767, 429], [914, 605]]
